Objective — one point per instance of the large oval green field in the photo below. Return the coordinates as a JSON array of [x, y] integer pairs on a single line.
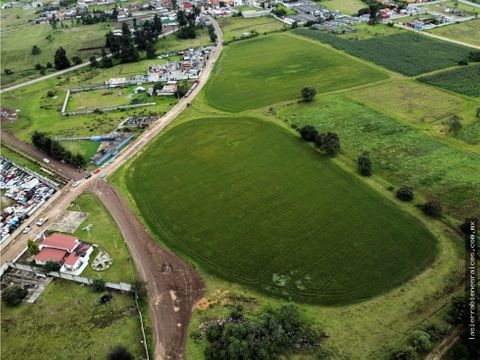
[[269, 69], [249, 202]]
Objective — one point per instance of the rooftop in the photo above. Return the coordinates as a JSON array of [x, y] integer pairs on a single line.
[[49, 254], [60, 241]]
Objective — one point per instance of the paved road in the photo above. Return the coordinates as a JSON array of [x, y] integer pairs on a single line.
[[171, 294], [167, 31]]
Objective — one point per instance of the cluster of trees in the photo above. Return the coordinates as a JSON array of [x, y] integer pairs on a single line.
[[56, 150], [211, 33], [329, 142], [272, 334], [105, 62], [13, 295], [186, 23]]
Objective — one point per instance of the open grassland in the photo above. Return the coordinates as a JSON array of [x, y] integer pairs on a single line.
[[260, 207], [171, 43], [365, 31], [86, 148], [16, 18], [234, 27], [416, 102], [407, 53], [106, 234], [68, 321], [464, 80], [349, 7], [400, 154], [443, 8], [466, 31], [283, 65]]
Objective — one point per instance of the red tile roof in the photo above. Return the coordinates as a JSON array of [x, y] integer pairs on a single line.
[[71, 259], [60, 241], [47, 254]]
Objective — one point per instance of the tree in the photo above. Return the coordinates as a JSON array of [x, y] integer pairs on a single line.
[[330, 143], [50, 93], [98, 284], [157, 25], [13, 295], [432, 208], [405, 193], [38, 67], [420, 340], [457, 311], [32, 247], [150, 50], [404, 353], [308, 93], [106, 61], [454, 124], [77, 60], [139, 287], [61, 61], [119, 352], [7, 72], [93, 61], [364, 164], [308, 132], [182, 88], [36, 50], [113, 43], [374, 14], [49, 65], [52, 266]]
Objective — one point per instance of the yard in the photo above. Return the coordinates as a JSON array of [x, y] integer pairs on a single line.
[[466, 31], [261, 208], [68, 321], [283, 65], [234, 27]]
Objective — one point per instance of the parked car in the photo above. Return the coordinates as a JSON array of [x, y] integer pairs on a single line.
[[76, 183], [97, 171], [27, 229], [88, 176], [45, 160], [41, 221]]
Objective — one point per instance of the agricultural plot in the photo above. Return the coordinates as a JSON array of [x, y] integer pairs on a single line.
[[466, 31], [400, 154], [407, 53], [283, 65], [349, 7], [416, 102], [464, 80], [234, 27], [260, 207], [67, 322]]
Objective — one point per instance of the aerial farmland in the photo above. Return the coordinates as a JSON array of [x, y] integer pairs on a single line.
[[256, 180]]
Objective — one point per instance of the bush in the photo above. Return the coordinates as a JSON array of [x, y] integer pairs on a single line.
[[119, 352], [52, 266], [364, 164], [405, 193], [98, 285], [433, 209], [457, 311], [436, 332], [308, 132], [308, 93], [404, 353], [13, 295], [7, 72], [328, 142], [420, 340], [50, 94], [38, 67], [32, 247], [36, 50]]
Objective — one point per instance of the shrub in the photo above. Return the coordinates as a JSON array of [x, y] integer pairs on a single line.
[[119, 352], [52, 266], [364, 164], [432, 208], [420, 340], [36, 50], [38, 67], [436, 332], [405, 193], [328, 142], [13, 295], [308, 132], [50, 94], [7, 72], [457, 311], [32, 247], [404, 353], [308, 93], [98, 284]]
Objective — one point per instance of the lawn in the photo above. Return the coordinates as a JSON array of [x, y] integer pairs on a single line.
[[260, 207], [68, 322], [466, 31], [283, 65], [407, 53], [234, 27], [106, 234], [86, 148], [172, 43], [400, 154], [464, 80], [349, 7], [365, 31]]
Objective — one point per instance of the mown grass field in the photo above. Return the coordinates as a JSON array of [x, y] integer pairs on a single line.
[[365, 31], [349, 7], [67, 322], [283, 65], [260, 207], [106, 234], [234, 27], [464, 80], [466, 31], [407, 53], [400, 153]]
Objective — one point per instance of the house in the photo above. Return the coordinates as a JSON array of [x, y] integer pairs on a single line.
[[65, 250]]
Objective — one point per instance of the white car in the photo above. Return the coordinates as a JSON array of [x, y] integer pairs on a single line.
[[27, 229], [41, 221], [45, 160], [76, 183]]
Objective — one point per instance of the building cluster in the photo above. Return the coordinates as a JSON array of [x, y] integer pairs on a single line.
[[109, 147], [67, 251], [23, 194], [140, 122], [338, 26]]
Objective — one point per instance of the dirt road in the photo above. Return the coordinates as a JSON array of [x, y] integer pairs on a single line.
[[445, 345]]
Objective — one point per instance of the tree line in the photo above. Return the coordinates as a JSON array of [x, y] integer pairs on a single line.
[[56, 150]]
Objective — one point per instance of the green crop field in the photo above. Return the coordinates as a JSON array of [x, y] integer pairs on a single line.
[[253, 204], [407, 53], [466, 31], [234, 27], [283, 65], [464, 80], [399, 153], [68, 322]]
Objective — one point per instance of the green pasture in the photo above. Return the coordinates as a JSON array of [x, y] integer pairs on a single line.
[[283, 65], [234, 27], [260, 207], [466, 10], [466, 31], [67, 321], [106, 234], [348, 7], [86, 148], [365, 31], [463, 80], [400, 154], [406, 52], [172, 43]]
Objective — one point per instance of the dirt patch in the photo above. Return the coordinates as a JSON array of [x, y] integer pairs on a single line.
[[69, 221]]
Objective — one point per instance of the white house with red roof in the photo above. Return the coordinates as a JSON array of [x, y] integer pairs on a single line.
[[67, 251]]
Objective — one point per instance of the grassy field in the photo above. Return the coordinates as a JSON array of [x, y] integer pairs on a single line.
[[67, 321], [349, 7], [464, 80], [84, 147], [171, 43], [365, 31], [283, 65], [400, 154], [234, 27], [420, 55], [106, 234], [466, 31], [467, 10], [261, 208]]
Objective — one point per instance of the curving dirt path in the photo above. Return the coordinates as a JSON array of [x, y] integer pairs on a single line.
[[440, 350]]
